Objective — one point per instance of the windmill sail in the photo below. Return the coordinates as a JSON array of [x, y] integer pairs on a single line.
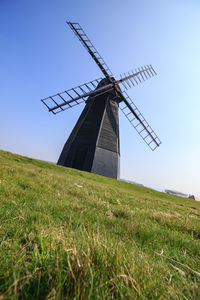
[[69, 98], [83, 38], [136, 77], [138, 121]]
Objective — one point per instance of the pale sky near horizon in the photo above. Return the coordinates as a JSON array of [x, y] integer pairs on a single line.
[[40, 56]]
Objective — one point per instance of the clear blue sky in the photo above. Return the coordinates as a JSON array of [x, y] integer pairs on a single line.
[[41, 56]]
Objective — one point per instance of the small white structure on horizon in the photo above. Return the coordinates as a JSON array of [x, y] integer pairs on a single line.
[[176, 193]]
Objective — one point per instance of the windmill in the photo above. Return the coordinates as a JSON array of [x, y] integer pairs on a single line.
[[93, 144]]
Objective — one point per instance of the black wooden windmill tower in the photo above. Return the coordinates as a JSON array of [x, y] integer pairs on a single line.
[[93, 144]]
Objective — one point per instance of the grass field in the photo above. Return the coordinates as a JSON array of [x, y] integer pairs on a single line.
[[67, 234]]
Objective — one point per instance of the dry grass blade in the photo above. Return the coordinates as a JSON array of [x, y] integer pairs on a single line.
[[185, 266], [179, 270], [91, 282]]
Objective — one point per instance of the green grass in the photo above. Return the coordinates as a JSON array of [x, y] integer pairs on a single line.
[[57, 240]]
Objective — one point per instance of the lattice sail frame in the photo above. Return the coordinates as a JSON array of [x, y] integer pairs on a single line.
[[136, 77], [140, 124], [83, 38], [67, 99]]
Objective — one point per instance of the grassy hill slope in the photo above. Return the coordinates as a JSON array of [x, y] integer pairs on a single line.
[[67, 234]]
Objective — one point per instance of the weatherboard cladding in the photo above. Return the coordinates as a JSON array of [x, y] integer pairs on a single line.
[[97, 127], [109, 133]]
